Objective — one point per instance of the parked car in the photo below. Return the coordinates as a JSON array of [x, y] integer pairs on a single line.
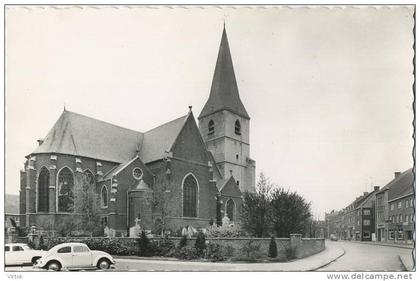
[[20, 254], [333, 237], [74, 256]]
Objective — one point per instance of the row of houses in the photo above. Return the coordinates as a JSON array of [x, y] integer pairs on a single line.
[[385, 214]]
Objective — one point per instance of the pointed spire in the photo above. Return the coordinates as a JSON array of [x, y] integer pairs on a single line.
[[224, 92]]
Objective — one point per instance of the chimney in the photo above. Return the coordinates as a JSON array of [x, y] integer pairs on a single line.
[[397, 174], [376, 188], [40, 142]]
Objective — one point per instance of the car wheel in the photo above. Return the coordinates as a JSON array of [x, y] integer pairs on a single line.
[[104, 264], [54, 266]]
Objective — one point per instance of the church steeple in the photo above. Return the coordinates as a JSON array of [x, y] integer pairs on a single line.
[[224, 94]]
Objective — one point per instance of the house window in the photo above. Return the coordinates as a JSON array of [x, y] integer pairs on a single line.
[[43, 190], [189, 200], [237, 127], [411, 202], [358, 222], [391, 235], [406, 218], [366, 222], [406, 203], [230, 209], [211, 127], [399, 205], [366, 212], [401, 219], [104, 221], [104, 197], [392, 206], [400, 235], [366, 234], [65, 191]]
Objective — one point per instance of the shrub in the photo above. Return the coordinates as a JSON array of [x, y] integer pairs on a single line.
[[42, 245], [31, 244], [164, 248], [200, 243], [145, 249], [183, 242], [186, 253], [215, 252], [272, 249], [228, 250]]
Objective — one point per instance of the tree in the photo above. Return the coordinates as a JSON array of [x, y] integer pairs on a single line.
[[163, 192], [256, 209], [144, 246], [200, 244], [90, 221], [290, 213], [272, 249]]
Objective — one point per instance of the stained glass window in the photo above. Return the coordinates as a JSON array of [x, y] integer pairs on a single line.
[[43, 190], [230, 209], [190, 197], [104, 197], [65, 191]]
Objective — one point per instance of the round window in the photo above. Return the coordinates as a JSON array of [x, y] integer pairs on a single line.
[[137, 173]]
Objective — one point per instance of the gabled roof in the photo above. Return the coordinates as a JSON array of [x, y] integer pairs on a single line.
[[224, 93], [160, 139], [401, 186], [76, 134], [79, 135]]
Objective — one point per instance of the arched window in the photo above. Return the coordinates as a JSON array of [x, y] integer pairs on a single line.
[[230, 209], [189, 189], [66, 191], [211, 127], [237, 127], [104, 197], [43, 190]]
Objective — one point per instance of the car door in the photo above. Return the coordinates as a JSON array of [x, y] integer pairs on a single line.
[[17, 255], [66, 256], [82, 256]]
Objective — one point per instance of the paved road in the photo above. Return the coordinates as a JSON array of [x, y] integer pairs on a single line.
[[365, 257]]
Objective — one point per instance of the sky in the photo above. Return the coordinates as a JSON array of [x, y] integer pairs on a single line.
[[329, 90]]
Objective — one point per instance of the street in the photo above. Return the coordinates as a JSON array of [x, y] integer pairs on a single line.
[[357, 257], [365, 257]]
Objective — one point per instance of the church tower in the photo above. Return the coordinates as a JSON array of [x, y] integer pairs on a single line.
[[224, 123]]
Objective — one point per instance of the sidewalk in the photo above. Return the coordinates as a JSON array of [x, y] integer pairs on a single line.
[[312, 263], [407, 261], [404, 246]]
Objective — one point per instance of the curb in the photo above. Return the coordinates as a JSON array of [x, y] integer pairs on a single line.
[[385, 244], [329, 262]]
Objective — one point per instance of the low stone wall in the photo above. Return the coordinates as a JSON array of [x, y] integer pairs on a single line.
[[294, 246]]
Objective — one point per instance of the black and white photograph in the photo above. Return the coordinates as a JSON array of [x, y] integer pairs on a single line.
[[209, 138]]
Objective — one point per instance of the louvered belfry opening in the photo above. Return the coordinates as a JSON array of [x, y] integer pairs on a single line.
[[190, 197]]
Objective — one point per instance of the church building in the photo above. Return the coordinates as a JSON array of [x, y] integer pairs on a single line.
[[177, 174]]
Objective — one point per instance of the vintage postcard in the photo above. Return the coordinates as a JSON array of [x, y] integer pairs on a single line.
[[209, 138]]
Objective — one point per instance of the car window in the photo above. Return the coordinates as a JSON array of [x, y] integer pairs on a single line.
[[64, 250], [26, 247], [80, 249], [17, 248], [6, 248]]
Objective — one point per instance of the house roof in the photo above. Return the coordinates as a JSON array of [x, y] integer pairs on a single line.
[[80, 135], [224, 93], [401, 186]]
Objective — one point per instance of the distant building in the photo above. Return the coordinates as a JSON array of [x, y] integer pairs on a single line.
[[400, 223], [384, 215]]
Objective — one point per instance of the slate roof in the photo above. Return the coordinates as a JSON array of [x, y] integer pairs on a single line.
[[224, 92], [160, 139], [79, 135], [401, 186]]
